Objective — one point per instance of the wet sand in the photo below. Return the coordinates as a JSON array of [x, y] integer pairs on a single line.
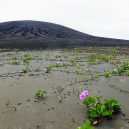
[[61, 107]]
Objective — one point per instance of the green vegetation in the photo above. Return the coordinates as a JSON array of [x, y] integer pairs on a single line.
[[15, 61], [86, 125], [92, 62], [95, 58], [25, 69], [56, 65], [107, 73], [96, 74], [98, 109], [128, 73], [121, 69], [48, 69], [78, 71], [65, 57], [26, 59], [40, 94], [115, 62], [72, 63]]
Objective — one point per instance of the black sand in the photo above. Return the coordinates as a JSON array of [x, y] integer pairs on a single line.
[[36, 34]]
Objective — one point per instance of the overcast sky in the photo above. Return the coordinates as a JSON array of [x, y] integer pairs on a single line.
[[107, 18]]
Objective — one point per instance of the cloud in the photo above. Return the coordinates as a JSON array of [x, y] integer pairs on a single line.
[[108, 18]]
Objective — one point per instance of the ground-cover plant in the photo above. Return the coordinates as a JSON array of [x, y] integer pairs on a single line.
[[72, 63], [49, 67], [115, 62], [125, 65], [40, 94], [78, 71], [107, 73], [99, 108], [26, 61], [121, 69], [86, 125], [65, 57], [14, 61], [92, 62], [96, 74], [94, 58], [115, 71], [37, 56], [91, 56], [128, 73], [113, 51], [27, 58], [104, 57], [56, 65], [25, 69]]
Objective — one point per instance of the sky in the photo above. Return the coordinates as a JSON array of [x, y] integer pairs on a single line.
[[106, 18]]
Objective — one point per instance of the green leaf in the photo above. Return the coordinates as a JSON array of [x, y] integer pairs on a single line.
[[91, 112], [88, 100], [112, 104], [102, 108], [87, 122], [107, 113], [86, 125]]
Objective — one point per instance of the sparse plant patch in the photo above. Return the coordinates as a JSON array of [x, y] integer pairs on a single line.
[[48, 69], [40, 94], [78, 71], [107, 73], [128, 73], [56, 65], [15, 62], [115, 71], [94, 59], [72, 63], [63, 74], [26, 59], [65, 57], [115, 62], [121, 69], [92, 62], [86, 125], [96, 74], [104, 57], [98, 108], [25, 69]]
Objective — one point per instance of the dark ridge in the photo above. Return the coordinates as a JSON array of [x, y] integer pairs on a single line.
[[36, 34]]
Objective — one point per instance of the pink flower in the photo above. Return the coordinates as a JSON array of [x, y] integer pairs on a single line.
[[83, 94]]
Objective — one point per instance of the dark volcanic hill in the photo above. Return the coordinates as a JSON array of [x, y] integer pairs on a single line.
[[36, 34]]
